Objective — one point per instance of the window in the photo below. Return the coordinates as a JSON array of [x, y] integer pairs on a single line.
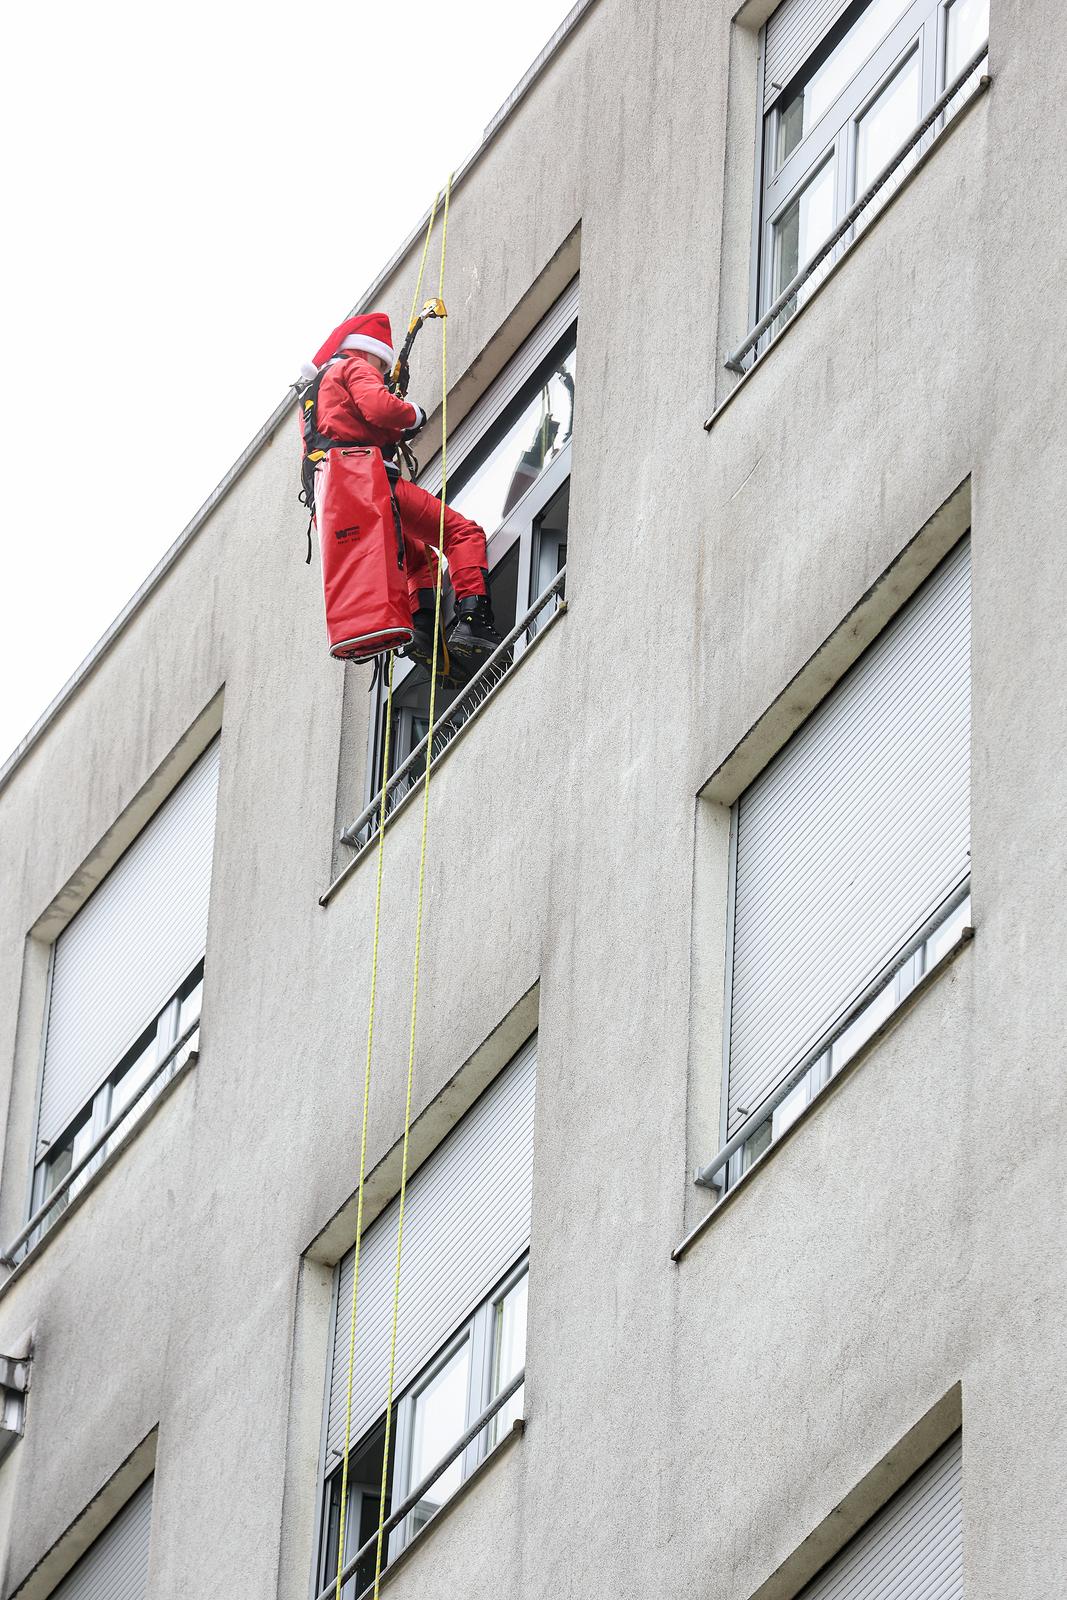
[[845, 86], [914, 1546], [153, 1049], [126, 985], [851, 860], [115, 1566], [509, 470], [461, 1334]]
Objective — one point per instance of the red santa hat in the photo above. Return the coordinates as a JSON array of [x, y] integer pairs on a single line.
[[370, 332]]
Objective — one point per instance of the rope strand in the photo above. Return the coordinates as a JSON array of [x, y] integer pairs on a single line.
[[418, 912], [370, 1040]]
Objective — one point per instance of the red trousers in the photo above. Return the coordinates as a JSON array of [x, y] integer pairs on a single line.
[[464, 543]]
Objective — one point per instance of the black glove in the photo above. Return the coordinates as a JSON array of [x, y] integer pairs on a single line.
[[417, 425]]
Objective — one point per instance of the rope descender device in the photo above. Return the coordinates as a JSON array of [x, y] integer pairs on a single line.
[[400, 377]]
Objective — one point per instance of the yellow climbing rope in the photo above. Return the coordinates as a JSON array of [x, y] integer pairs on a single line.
[[418, 911], [373, 996]]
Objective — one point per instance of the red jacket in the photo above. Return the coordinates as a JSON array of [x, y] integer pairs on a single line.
[[355, 406]]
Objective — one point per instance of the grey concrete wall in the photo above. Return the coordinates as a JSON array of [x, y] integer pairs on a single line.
[[690, 1424]]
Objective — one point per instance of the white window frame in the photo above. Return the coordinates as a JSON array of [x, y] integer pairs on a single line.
[[924, 26], [479, 1329], [940, 941], [94, 1116], [518, 529]]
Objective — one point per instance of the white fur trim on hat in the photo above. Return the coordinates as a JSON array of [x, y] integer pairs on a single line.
[[373, 347], [308, 370]]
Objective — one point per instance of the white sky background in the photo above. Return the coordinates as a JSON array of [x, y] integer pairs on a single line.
[[158, 191]]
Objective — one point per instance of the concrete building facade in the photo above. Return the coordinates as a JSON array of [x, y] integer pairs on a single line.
[[731, 1383]]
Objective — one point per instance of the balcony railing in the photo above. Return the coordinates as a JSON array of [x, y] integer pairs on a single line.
[[545, 610], [968, 84]]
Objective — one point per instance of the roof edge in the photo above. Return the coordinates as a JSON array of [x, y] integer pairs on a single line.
[[281, 410]]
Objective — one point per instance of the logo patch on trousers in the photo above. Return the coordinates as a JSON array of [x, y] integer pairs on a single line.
[[346, 533]]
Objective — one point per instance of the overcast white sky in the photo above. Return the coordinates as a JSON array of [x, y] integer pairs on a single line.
[[159, 185]]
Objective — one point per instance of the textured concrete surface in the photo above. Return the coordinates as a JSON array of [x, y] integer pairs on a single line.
[[689, 1425]]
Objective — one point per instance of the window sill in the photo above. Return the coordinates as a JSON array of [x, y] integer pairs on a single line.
[[501, 1448], [959, 116], [37, 1250], [926, 983]]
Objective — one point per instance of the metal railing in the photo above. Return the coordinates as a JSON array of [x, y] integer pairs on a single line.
[[408, 1504], [840, 240], [708, 1175], [48, 1205], [548, 605]]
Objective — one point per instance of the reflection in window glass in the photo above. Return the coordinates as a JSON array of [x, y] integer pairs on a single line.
[[439, 1419], [886, 124], [528, 446], [756, 1144], [509, 1353], [968, 30], [803, 110], [803, 227]]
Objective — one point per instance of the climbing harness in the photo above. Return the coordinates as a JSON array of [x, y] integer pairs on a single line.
[[374, 958]]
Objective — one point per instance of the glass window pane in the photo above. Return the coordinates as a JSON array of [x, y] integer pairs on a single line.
[[802, 228], [63, 1160], [757, 1144], [440, 1416], [509, 1353], [817, 94], [968, 30], [361, 1520], [887, 122], [869, 1021], [794, 1103], [127, 1084], [516, 461], [190, 1008]]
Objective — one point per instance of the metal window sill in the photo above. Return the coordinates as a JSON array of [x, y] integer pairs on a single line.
[[925, 983], [37, 1250], [502, 1447], [958, 116]]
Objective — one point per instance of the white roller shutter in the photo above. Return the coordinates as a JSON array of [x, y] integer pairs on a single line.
[[125, 953], [467, 1219], [793, 33], [115, 1567], [504, 388], [852, 837], [913, 1550]]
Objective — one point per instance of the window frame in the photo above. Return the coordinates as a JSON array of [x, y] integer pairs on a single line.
[[923, 25], [516, 529], [903, 963], [899, 977], [162, 1033], [478, 1330]]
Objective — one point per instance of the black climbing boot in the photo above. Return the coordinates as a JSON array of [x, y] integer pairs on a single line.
[[473, 633], [420, 649]]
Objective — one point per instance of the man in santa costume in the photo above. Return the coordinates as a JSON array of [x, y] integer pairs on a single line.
[[354, 406]]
